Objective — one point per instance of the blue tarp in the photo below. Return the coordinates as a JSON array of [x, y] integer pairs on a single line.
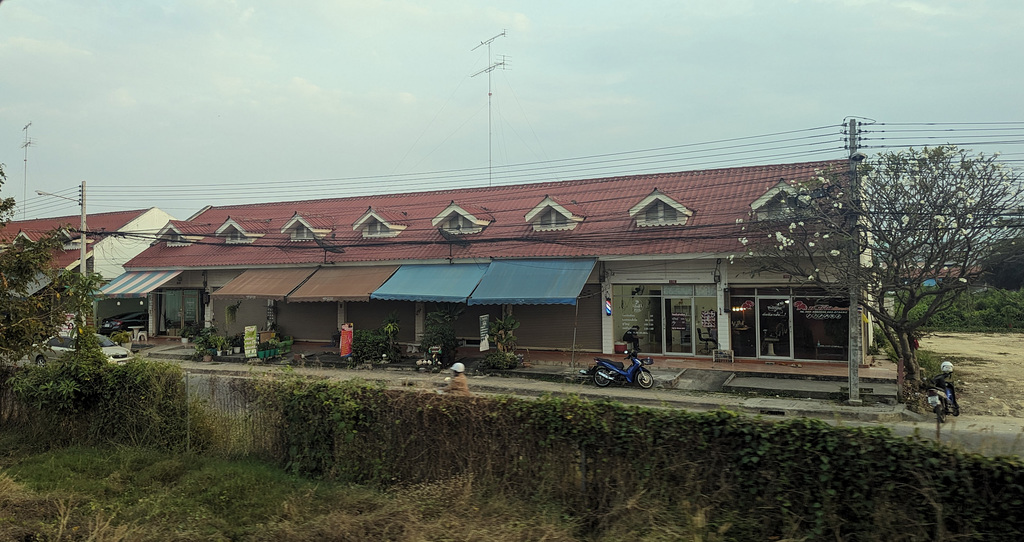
[[532, 282], [450, 283]]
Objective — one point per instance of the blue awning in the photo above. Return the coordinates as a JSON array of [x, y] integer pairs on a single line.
[[443, 283], [137, 283], [532, 282]]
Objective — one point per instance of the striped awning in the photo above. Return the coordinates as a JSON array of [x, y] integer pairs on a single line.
[[137, 283]]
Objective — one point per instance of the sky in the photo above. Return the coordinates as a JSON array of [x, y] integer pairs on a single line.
[[194, 102]]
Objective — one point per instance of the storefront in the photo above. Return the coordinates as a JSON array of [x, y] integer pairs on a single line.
[[789, 323], [673, 318]]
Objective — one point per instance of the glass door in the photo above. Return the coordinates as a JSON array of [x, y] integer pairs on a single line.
[[774, 323], [171, 321], [679, 325]]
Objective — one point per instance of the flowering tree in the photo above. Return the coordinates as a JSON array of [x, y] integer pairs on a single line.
[[35, 300], [911, 229]]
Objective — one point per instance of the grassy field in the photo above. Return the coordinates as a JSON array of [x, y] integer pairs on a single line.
[[128, 494]]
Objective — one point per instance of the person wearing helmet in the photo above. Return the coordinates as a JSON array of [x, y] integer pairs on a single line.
[[458, 385], [941, 381]]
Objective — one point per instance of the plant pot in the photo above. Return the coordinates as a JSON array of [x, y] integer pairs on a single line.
[[262, 354], [184, 340], [207, 358], [236, 349]]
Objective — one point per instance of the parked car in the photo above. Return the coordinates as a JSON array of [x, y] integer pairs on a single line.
[[56, 346], [122, 322]]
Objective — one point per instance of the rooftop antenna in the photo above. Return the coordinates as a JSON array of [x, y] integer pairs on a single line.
[[28, 143], [490, 67]]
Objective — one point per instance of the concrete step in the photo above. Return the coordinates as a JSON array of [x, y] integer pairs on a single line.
[[876, 392]]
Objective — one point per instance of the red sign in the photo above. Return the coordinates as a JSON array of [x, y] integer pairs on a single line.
[[346, 340]]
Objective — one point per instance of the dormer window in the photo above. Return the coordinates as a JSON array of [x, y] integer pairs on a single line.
[[181, 233], [780, 202], [301, 228], [240, 231], [549, 215], [379, 223], [458, 220], [175, 239], [657, 209], [660, 212], [551, 219], [70, 241], [302, 233], [376, 228], [235, 236]]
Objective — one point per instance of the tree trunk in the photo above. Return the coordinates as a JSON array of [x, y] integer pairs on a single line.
[[907, 353]]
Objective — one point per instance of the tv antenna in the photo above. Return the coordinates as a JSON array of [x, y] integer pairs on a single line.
[[28, 143], [490, 67]]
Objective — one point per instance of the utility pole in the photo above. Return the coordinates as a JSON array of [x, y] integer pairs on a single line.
[[856, 339], [81, 236], [490, 67]]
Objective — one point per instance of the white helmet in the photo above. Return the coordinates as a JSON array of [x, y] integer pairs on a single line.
[[946, 367], [459, 368]]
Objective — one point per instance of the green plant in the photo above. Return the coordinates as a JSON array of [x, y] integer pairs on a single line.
[[501, 361], [263, 346], [191, 330], [502, 333], [219, 342], [439, 330], [237, 340], [231, 312], [121, 337], [377, 345]]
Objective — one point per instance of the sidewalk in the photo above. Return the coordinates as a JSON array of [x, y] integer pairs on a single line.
[[777, 391]]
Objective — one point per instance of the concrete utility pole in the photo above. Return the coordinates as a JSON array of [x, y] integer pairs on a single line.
[[856, 340], [81, 237]]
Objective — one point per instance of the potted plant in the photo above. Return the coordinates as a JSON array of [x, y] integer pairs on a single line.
[[189, 332], [237, 342], [220, 344], [122, 338], [286, 343], [263, 350]]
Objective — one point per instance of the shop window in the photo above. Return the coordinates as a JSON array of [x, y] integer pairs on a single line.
[[821, 328]]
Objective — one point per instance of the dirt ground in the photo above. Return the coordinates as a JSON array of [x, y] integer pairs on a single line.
[[988, 370]]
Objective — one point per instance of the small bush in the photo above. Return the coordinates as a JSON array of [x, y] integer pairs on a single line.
[[501, 361]]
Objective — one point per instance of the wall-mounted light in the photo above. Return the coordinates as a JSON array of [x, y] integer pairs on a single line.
[[717, 274]]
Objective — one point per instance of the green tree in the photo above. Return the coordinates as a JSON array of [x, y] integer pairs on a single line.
[[36, 300], [913, 237]]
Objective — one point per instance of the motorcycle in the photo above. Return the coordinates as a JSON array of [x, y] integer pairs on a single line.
[[942, 397], [606, 371]]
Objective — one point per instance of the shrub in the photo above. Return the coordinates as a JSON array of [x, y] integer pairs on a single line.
[[439, 330], [121, 337], [501, 361]]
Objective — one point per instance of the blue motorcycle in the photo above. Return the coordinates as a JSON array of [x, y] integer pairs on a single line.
[[606, 371]]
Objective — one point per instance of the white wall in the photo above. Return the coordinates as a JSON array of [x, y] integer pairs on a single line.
[[110, 254]]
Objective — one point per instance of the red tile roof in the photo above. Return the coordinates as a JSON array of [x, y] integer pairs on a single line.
[[718, 199], [96, 223]]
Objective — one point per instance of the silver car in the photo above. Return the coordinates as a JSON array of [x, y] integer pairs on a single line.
[[56, 346]]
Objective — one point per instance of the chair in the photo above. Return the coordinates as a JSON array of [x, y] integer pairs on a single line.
[[708, 342], [141, 336]]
